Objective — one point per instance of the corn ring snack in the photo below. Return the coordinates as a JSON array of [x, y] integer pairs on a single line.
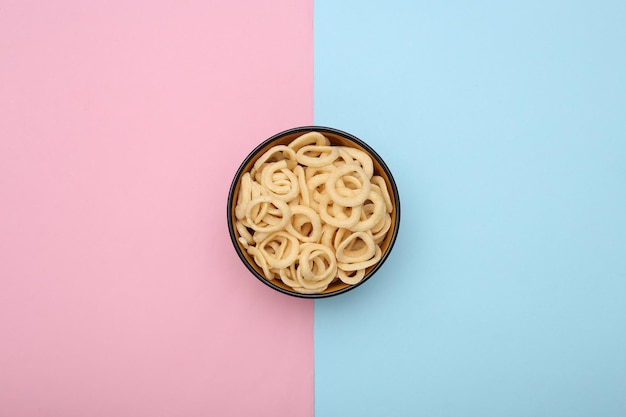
[[245, 195], [339, 236], [321, 155], [280, 249], [380, 230], [260, 260], [348, 197], [351, 277], [328, 234], [288, 276], [317, 266], [304, 191], [315, 188], [344, 156], [310, 172], [257, 190], [311, 138], [363, 159], [244, 233], [278, 152], [348, 253], [348, 266], [379, 185], [302, 215], [345, 221], [261, 222], [283, 184], [259, 237], [368, 222]]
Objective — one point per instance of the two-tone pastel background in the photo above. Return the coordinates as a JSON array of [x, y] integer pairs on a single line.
[[122, 124]]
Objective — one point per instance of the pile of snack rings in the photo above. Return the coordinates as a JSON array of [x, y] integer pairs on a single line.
[[310, 213]]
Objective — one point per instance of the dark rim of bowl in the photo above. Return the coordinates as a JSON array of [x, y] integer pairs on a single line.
[[304, 129]]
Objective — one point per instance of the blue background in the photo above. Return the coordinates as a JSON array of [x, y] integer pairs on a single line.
[[504, 126]]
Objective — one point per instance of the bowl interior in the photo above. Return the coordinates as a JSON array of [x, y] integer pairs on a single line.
[[336, 138]]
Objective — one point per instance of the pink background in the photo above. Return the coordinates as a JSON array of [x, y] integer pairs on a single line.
[[121, 127]]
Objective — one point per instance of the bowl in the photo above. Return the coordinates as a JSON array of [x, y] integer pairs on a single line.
[[336, 138]]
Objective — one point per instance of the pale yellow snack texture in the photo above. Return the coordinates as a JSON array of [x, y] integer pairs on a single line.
[[311, 213]]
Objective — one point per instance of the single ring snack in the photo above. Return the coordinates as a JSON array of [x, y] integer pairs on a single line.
[[310, 213]]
